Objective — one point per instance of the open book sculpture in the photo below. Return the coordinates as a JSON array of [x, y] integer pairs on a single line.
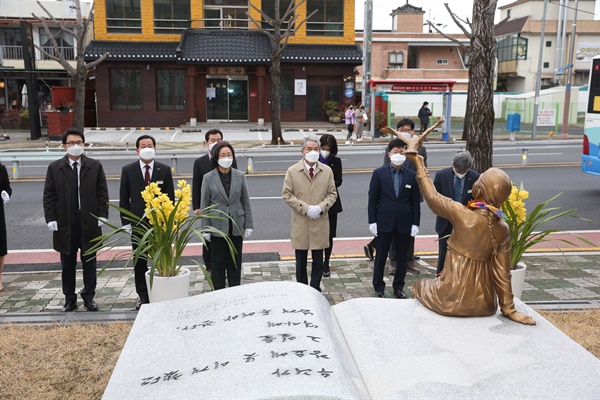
[[282, 340]]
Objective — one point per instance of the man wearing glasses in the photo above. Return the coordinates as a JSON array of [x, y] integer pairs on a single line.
[[75, 193]]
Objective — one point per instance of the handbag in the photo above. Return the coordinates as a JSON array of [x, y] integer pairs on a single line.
[[365, 118]]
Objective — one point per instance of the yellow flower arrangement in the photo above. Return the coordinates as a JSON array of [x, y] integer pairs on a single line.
[[163, 232], [524, 227]]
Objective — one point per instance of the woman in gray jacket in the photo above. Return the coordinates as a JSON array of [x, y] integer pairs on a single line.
[[226, 189]]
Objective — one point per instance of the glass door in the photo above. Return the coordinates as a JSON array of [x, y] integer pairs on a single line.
[[227, 98]]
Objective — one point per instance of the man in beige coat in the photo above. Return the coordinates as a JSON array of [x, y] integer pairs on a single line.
[[309, 189]]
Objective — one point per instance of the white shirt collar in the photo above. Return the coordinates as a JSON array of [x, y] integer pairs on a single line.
[[143, 166], [308, 167]]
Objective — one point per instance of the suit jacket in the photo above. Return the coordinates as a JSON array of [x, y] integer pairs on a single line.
[[386, 209], [336, 167], [236, 205], [132, 185], [444, 184], [299, 192], [202, 166], [93, 201]]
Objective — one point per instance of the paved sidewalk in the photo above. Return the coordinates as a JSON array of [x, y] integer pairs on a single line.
[[551, 283]]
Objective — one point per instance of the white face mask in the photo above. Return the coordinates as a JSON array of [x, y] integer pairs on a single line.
[[147, 154], [325, 154], [312, 156], [225, 162], [75, 150], [210, 146], [459, 176], [398, 159]]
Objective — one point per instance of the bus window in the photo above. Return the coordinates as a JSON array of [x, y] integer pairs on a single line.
[[590, 158]]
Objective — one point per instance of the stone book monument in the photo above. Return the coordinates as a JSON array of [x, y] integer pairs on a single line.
[[282, 340]]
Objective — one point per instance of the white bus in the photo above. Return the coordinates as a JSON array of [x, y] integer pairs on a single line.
[[590, 158]]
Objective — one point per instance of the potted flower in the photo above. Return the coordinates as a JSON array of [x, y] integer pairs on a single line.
[[161, 236], [525, 230]]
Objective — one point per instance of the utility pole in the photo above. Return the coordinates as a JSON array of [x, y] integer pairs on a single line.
[[557, 60], [366, 70], [567, 102], [538, 79]]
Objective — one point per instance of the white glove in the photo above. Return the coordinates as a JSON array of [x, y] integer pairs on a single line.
[[248, 232], [206, 236], [53, 226], [5, 196], [102, 221], [373, 228], [127, 229], [414, 230], [313, 212]]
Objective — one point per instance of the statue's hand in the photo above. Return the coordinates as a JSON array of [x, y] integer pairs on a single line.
[[521, 318], [413, 143]]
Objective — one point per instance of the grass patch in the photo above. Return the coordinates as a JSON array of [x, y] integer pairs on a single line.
[[76, 361]]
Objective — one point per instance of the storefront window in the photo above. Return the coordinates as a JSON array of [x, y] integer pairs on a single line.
[[123, 16], [126, 89], [171, 16], [287, 90], [512, 47], [329, 19], [170, 89]]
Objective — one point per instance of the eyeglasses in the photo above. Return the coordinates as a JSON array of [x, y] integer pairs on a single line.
[[78, 143]]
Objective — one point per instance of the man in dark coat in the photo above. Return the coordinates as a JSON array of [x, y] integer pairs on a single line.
[[134, 179], [75, 193], [202, 166], [455, 182], [394, 214]]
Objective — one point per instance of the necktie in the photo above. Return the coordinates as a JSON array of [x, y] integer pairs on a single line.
[[310, 172], [396, 182], [147, 175], [74, 189], [457, 189]]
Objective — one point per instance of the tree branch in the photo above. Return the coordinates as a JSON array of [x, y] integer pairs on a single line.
[[60, 59], [93, 64], [458, 42], [457, 21]]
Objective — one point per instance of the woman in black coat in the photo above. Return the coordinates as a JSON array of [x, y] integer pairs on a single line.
[[329, 149], [5, 192]]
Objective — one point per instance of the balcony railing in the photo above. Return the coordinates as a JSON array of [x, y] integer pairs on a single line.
[[16, 53]]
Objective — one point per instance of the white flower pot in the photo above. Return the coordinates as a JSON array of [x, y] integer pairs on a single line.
[[517, 279], [171, 288]]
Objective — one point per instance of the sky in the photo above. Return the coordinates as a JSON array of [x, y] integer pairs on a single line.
[[434, 10]]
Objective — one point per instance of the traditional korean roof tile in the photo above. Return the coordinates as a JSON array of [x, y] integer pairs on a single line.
[[224, 47], [134, 51]]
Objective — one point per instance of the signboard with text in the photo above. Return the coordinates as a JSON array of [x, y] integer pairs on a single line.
[[546, 118]]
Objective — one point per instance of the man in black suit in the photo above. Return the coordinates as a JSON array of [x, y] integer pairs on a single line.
[[455, 182], [202, 166], [394, 214], [134, 179], [75, 207]]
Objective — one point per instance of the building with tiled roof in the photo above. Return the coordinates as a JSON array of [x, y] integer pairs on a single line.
[[171, 61]]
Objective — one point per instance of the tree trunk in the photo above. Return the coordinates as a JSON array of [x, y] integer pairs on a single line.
[[79, 108], [276, 134], [479, 126]]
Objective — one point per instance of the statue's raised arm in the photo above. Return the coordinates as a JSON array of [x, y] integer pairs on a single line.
[[413, 143]]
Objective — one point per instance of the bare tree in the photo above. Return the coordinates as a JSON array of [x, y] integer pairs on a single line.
[[479, 115], [279, 39], [80, 71]]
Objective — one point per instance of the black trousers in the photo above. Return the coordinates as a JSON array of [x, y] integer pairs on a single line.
[[332, 233], [443, 248], [207, 256], [139, 271], [68, 263], [317, 267], [384, 240], [223, 265]]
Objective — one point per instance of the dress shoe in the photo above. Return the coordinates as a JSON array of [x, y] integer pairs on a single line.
[[410, 267], [369, 250], [90, 305], [415, 258], [392, 270], [326, 274], [70, 306], [400, 294], [381, 294], [140, 301]]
